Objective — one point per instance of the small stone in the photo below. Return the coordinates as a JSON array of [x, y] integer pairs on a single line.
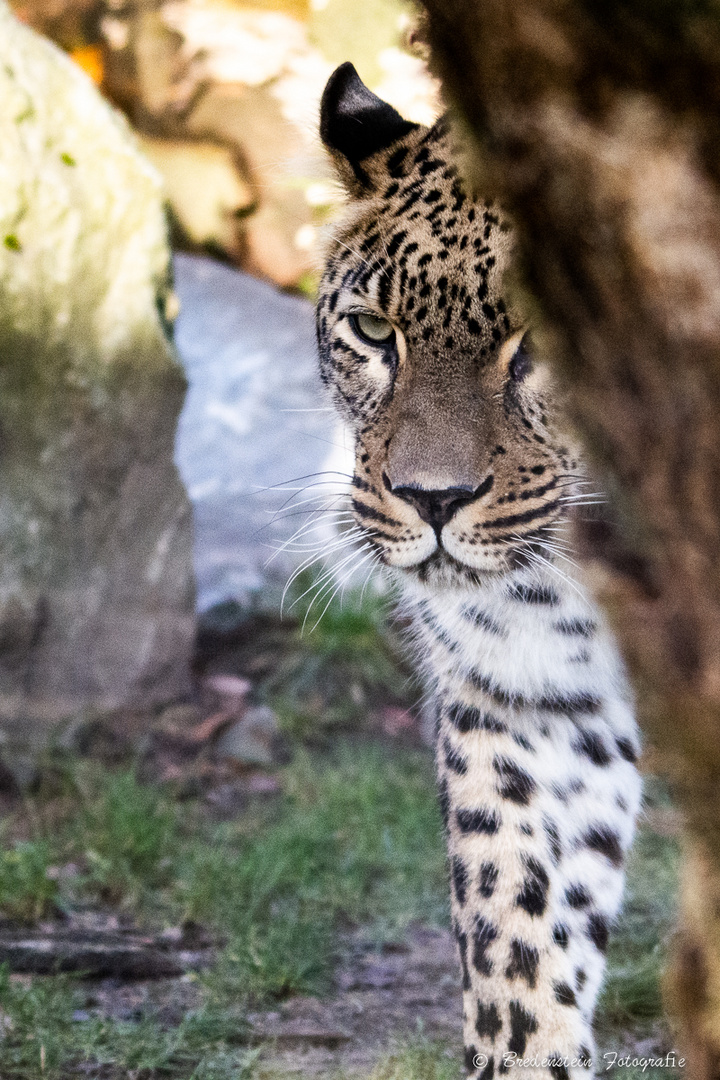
[[252, 740], [228, 685], [263, 784], [180, 718]]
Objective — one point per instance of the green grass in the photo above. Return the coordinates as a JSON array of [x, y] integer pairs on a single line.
[[41, 1038], [126, 833], [418, 1060], [638, 946], [631, 1000], [355, 840], [27, 889]]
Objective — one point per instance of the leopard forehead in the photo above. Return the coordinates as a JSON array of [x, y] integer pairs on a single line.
[[438, 410], [423, 252]]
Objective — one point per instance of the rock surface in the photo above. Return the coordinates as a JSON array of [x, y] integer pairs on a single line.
[[252, 740], [96, 587], [256, 421]]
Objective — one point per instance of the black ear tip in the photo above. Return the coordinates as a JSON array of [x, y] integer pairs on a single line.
[[354, 121], [343, 78], [341, 84]]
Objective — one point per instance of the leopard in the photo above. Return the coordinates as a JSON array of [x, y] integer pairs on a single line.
[[466, 484]]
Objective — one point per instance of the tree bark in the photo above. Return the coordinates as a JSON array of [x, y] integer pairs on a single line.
[[598, 126]]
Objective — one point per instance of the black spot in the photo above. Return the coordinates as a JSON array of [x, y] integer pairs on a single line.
[[395, 243], [576, 627], [598, 931], [626, 750], [444, 800], [516, 785], [524, 961], [606, 842], [570, 704], [534, 594], [483, 936], [488, 879], [491, 723], [470, 1053], [483, 820], [560, 935], [460, 878], [395, 161], [580, 979], [592, 746], [533, 895], [576, 896], [522, 1024], [483, 620], [553, 836], [462, 948], [488, 1022], [499, 695], [558, 1068], [584, 1056], [489, 1070], [464, 717], [522, 741], [564, 994], [454, 759]]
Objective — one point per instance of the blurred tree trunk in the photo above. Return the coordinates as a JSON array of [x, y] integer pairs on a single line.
[[597, 122]]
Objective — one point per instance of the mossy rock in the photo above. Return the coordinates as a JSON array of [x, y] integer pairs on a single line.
[[96, 587]]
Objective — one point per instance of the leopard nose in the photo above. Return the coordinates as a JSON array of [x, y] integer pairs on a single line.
[[436, 507]]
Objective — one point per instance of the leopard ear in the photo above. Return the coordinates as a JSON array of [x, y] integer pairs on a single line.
[[355, 124]]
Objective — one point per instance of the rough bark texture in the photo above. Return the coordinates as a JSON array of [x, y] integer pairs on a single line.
[[598, 125]]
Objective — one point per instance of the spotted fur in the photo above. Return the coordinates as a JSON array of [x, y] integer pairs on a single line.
[[464, 484]]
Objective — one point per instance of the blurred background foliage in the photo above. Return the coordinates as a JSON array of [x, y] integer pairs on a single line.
[[224, 97]]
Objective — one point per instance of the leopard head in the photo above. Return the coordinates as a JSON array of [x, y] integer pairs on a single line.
[[460, 471]]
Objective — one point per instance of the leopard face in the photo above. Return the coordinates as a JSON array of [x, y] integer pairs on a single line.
[[460, 469]]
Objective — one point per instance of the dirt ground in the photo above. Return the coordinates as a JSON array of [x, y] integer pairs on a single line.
[[381, 996]]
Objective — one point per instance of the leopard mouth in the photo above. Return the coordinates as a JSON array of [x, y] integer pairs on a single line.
[[446, 568], [442, 568]]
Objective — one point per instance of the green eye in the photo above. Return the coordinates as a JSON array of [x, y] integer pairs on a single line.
[[372, 328]]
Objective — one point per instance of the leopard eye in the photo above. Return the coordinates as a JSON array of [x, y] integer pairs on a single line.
[[372, 328], [522, 360]]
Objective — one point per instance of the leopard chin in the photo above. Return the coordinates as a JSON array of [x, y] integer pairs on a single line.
[[441, 570]]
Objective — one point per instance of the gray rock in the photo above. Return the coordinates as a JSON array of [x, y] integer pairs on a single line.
[[96, 587], [255, 423], [253, 740]]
